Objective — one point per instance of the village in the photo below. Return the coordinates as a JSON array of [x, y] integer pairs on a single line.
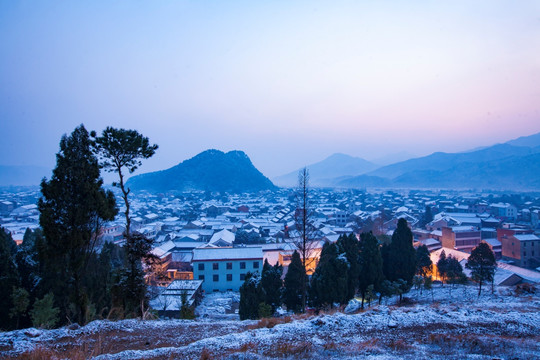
[[208, 242]]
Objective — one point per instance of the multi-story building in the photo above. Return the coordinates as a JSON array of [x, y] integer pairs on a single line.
[[461, 238], [521, 246], [225, 269]]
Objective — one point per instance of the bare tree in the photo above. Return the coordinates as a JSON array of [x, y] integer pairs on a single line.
[[304, 241]]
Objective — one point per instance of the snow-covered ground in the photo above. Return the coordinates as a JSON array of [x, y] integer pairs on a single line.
[[450, 323]]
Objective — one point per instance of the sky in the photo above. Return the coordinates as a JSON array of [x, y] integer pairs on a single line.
[[288, 82]]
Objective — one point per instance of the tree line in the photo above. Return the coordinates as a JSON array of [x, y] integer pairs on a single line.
[[363, 268], [61, 273]]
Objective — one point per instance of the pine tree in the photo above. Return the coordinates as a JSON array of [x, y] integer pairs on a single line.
[[123, 150], [348, 244], [72, 209], [371, 264], [454, 271], [292, 291], [442, 265], [8, 279], [271, 283], [44, 314], [20, 300], [251, 296], [329, 282], [482, 265], [423, 261], [400, 262]]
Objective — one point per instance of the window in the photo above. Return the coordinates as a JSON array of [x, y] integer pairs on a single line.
[[215, 266], [201, 277], [242, 265], [242, 277], [229, 266], [201, 267], [255, 264], [215, 277], [229, 277]]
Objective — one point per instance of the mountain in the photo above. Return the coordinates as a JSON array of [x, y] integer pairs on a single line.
[[499, 167], [440, 161], [323, 172], [529, 141], [393, 158], [22, 175], [211, 170]]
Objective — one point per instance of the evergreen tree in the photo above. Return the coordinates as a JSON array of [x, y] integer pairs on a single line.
[[123, 150], [20, 300], [454, 271], [442, 266], [371, 264], [423, 261], [400, 261], [8, 279], [251, 295], [44, 314], [28, 262], [271, 283], [348, 244], [428, 216], [292, 291], [72, 209], [482, 265], [329, 282]]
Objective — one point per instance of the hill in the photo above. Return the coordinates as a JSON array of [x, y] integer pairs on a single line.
[[446, 323], [22, 175], [323, 172], [530, 141], [499, 167], [211, 170]]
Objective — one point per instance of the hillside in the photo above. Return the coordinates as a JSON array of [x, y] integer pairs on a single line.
[[448, 323], [324, 172], [211, 170], [499, 167]]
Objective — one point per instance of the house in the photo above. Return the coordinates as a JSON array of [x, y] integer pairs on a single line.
[[520, 245], [222, 238], [224, 269], [461, 238]]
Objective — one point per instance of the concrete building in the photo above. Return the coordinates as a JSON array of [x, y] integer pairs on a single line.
[[224, 269], [461, 238], [521, 246]]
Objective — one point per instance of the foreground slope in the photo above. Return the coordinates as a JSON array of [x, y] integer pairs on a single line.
[[211, 170], [451, 323]]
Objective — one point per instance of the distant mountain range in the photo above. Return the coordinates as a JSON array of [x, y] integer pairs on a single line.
[[211, 170], [324, 172], [514, 165], [22, 175]]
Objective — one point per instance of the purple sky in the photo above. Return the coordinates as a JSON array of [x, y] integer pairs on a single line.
[[287, 82]]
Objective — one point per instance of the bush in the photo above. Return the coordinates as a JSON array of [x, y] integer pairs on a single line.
[[44, 314]]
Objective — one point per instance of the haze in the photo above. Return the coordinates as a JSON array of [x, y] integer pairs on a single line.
[[287, 82]]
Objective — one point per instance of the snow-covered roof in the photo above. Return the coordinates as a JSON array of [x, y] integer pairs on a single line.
[[527, 237], [208, 254]]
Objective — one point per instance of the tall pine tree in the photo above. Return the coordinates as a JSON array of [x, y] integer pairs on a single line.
[[400, 256], [329, 282], [348, 244], [72, 208], [8, 279], [271, 283], [482, 264], [371, 265], [293, 284]]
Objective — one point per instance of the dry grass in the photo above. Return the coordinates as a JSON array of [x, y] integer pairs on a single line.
[[270, 322], [206, 354], [301, 349]]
